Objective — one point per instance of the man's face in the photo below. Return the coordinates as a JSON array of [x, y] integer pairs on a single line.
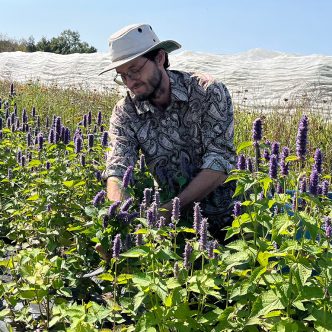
[[142, 77]]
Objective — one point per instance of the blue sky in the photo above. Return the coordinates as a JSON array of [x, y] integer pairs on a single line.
[[212, 26]]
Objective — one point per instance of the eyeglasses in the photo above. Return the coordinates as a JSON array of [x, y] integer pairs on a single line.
[[134, 74]]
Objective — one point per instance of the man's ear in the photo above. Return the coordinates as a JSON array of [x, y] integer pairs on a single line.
[[160, 58]]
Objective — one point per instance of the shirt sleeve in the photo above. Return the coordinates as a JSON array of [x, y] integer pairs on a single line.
[[123, 146], [218, 129]]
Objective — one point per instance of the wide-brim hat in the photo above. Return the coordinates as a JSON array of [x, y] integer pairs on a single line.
[[133, 41]]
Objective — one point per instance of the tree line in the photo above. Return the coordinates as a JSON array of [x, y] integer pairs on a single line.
[[67, 42]]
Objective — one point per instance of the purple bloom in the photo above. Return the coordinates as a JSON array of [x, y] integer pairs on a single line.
[[176, 209], [99, 198], [133, 216], [294, 201], [89, 117], [126, 205], [318, 160], [275, 148], [1, 123], [29, 139], [123, 216], [112, 209], [24, 116], [105, 221], [139, 237], [237, 209], [150, 217], [82, 158], [241, 162], [203, 234], [40, 138], [66, 136], [303, 184], [12, 90], [104, 139], [266, 155], [210, 248], [249, 166], [90, 140], [47, 122], [117, 246], [85, 120], [10, 174], [325, 187], [186, 256], [280, 189], [99, 118], [51, 136], [273, 170], [283, 164], [98, 175], [302, 137], [257, 130], [33, 111], [156, 198], [313, 182], [161, 222], [328, 228], [127, 177], [48, 165], [197, 217], [78, 144], [147, 196], [58, 125]]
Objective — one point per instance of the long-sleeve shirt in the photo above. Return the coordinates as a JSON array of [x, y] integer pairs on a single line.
[[195, 132]]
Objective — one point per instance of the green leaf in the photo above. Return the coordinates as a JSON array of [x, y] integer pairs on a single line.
[[138, 300], [136, 252], [106, 277], [292, 158], [142, 279], [33, 197], [243, 145], [265, 303], [34, 163], [68, 184], [172, 283], [263, 258], [302, 274]]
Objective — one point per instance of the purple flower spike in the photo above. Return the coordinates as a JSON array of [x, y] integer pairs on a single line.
[[313, 182], [112, 209], [197, 218], [156, 198], [186, 256], [325, 187], [241, 162], [90, 140], [176, 209], [273, 170], [257, 130], [275, 148], [82, 158], [303, 184], [117, 246], [89, 117], [40, 138], [328, 228], [237, 209], [150, 217], [51, 136], [78, 144], [147, 196], [318, 160], [284, 167], [302, 137], [161, 222], [266, 154], [210, 248], [99, 118], [203, 234], [126, 205], [104, 139], [127, 177], [99, 198], [249, 165], [58, 125]]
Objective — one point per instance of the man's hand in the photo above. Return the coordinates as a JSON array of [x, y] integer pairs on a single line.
[[114, 189]]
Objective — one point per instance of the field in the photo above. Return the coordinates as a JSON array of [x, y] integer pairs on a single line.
[[72, 261]]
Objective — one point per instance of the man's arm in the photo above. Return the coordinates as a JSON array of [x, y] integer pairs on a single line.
[[203, 184], [114, 189]]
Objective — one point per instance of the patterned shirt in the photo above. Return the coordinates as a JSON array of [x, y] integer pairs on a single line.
[[195, 132]]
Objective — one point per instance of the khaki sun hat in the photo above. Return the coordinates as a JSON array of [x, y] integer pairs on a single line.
[[133, 41]]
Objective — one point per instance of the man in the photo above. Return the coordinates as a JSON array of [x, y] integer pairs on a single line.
[[182, 123]]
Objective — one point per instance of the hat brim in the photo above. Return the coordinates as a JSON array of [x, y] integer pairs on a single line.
[[168, 45]]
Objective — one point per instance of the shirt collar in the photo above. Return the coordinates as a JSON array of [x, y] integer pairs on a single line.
[[178, 93]]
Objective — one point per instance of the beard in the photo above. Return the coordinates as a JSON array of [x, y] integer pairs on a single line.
[[153, 85]]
